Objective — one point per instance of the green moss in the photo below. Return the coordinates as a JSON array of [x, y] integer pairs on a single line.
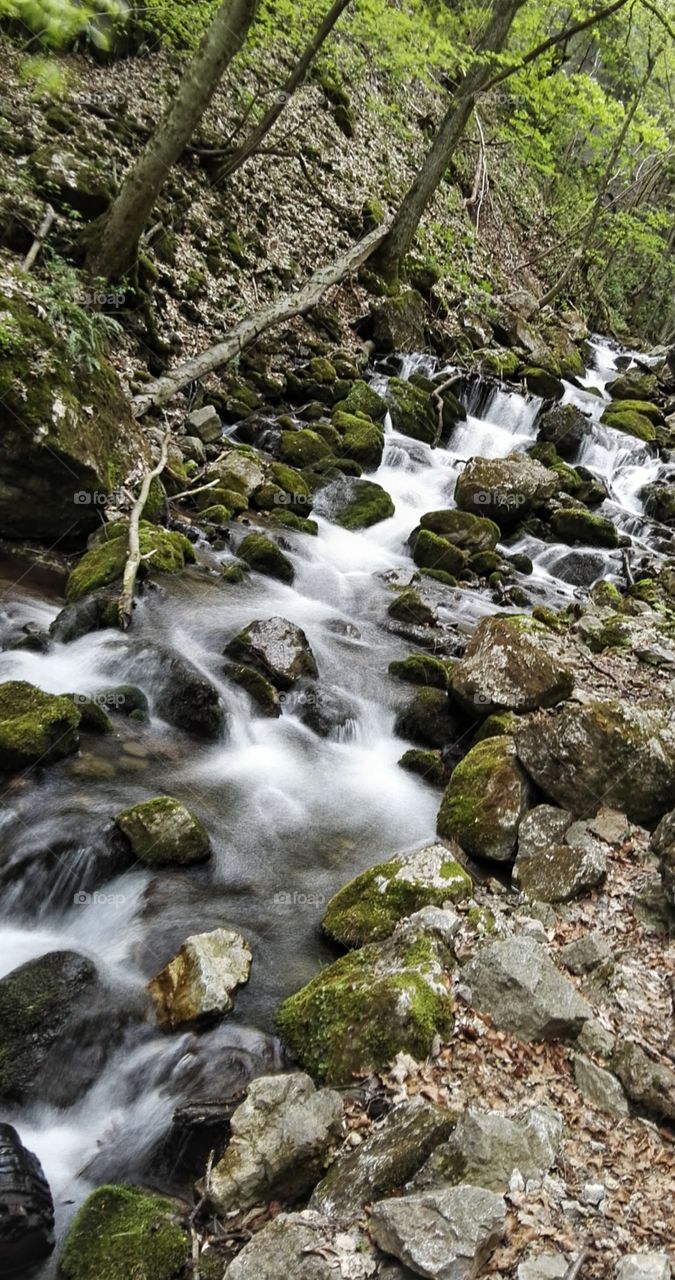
[[540, 382], [471, 809], [235, 573], [628, 421], [105, 562], [421, 668], [644, 407], [470, 532], [575, 524], [409, 607], [303, 447], [370, 906], [124, 1234], [426, 765], [348, 1019], [412, 411], [433, 552], [482, 920], [35, 727], [163, 831], [439, 575], [360, 439], [217, 514], [500, 724], [363, 400], [155, 506], [290, 520], [606, 595], [503, 364], [291, 481], [93, 719], [548, 617], [263, 555], [570, 481], [485, 563], [259, 689], [368, 504]]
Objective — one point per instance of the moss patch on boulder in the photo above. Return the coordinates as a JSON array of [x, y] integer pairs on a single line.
[[302, 448], [631, 422], [421, 668], [363, 400], [263, 555], [469, 532], [575, 524], [412, 411], [259, 689], [433, 552], [163, 832], [120, 1233], [486, 798], [35, 727], [370, 906], [360, 439], [104, 563]]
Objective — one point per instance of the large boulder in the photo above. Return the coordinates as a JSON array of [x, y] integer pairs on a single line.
[[276, 648], [663, 845], [361, 439], [48, 1005], [650, 1084], [26, 1207], [35, 727], [431, 551], [398, 323], [388, 1158], [486, 1147], [412, 411], [305, 1246], [263, 555], [564, 426], [561, 866], [612, 752], [353, 504], [198, 983], [282, 1135], [429, 718], [577, 525], [505, 489], [104, 563], [121, 1232], [68, 436], [445, 1235], [508, 665], [485, 800], [358, 1013], [517, 983], [370, 906], [184, 696], [634, 385], [162, 832], [470, 533]]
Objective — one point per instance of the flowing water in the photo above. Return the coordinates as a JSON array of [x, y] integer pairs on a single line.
[[292, 816]]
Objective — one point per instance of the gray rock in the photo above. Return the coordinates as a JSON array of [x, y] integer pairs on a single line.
[[281, 1137], [486, 1147], [200, 979], [485, 800], [508, 666], [561, 870], [277, 648], [648, 1083], [388, 1158], [517, 983], [600, 1086], [193, 448], [565, 426], [594, 1038], [305, 1246], [613, 751], [205, 424], [546, 1266], [442, 1235], [505, 489], [586, 953], [543, 826], [162, 832], [644, 1266], [662, 844]]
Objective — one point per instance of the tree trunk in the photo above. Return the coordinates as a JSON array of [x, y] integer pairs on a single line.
[[114, 250], [283, 97], [429, 176]]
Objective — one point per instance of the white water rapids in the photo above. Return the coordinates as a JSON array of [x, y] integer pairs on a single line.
[[292, 816]]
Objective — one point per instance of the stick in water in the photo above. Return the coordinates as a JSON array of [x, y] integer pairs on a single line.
[[126, 601]]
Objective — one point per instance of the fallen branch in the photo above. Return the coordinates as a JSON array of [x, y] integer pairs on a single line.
[[576, 1265], [126, 600], [293, 304], [189, 493], [437, 395], [43, 232]]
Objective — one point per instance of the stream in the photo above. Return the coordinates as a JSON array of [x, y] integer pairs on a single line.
[[292, 816]]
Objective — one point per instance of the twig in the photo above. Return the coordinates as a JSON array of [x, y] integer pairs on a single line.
[[630, 579], [437, 395], [577, 1263], [187, 493], [43, 232], [126, 600]]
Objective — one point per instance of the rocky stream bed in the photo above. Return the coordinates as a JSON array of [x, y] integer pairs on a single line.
[[337, 894]]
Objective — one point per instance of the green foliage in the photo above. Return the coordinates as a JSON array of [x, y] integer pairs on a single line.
[[58, 23]]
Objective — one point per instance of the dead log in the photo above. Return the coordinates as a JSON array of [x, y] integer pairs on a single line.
[[132, 565], [292, 304]]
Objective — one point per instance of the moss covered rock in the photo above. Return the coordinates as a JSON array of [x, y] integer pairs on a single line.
[[634, 385], [425, 764], [364, 400], [428, 718], [430, 551], [370, 906], [302, 448], [506, 489], [289, 520], [276, 648], [485, 800], [163, 832], [35, 727], [121, 1232], [629, 421], [104, 563], [421, 668], [354, 504], [259, 689], [469, 532], [540, 382], [360, 439], [383, 999], [412, 411], [510, 665], [410, 607], [398, 323], [263, 555], [68, 436], [575, 524]]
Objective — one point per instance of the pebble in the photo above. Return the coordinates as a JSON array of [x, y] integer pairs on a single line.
[[593, 1193]]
